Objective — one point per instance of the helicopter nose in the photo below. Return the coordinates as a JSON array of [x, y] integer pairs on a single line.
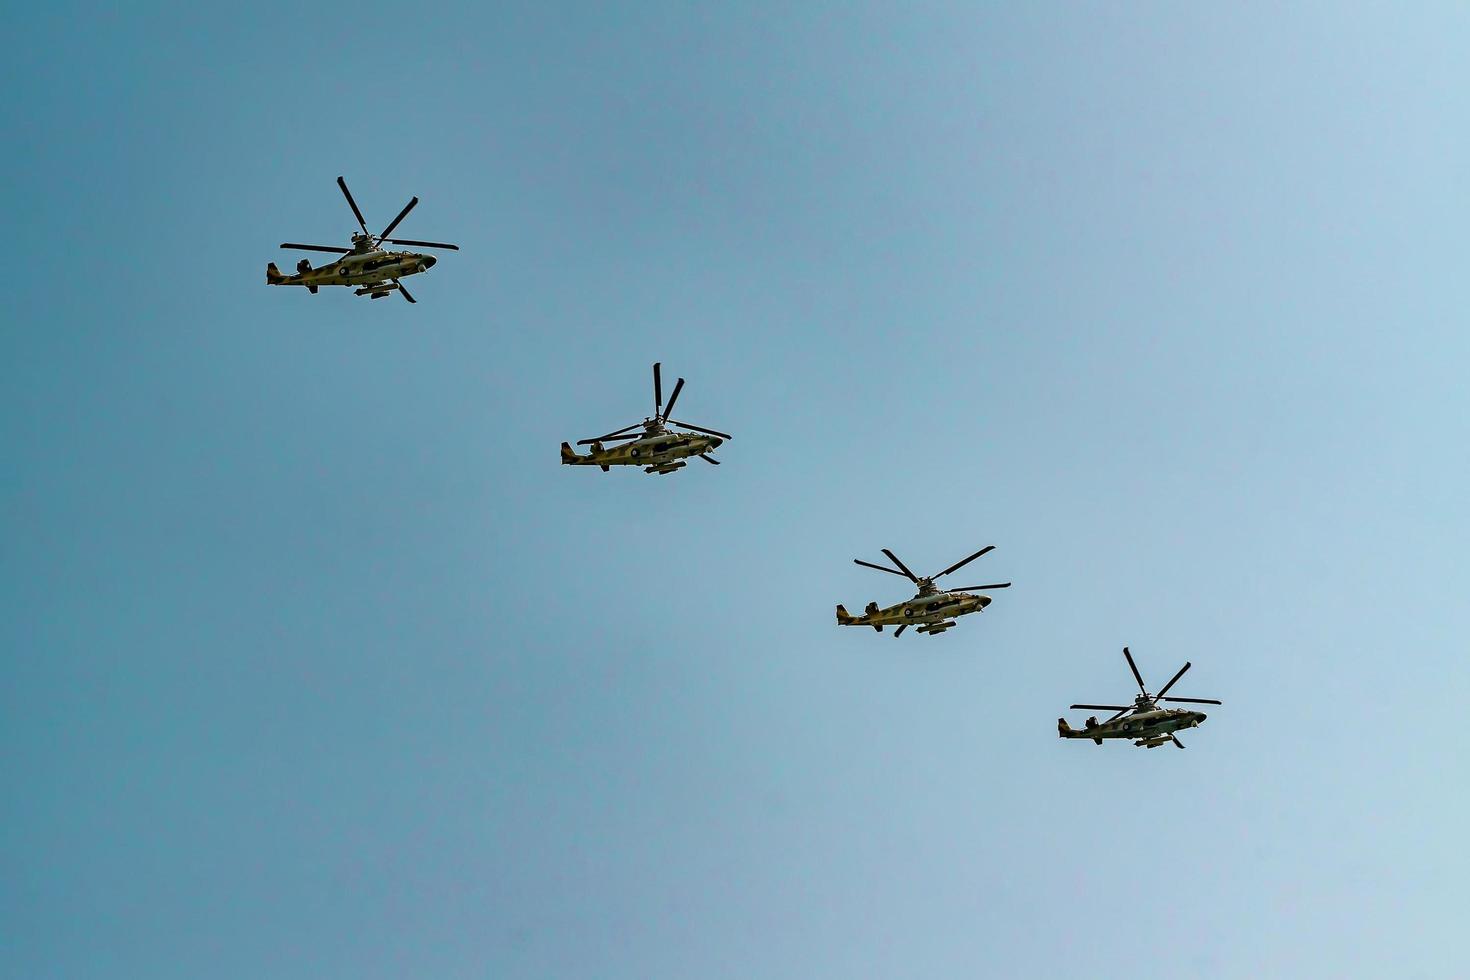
[[715, 442], [429, 261], [1199, 716]]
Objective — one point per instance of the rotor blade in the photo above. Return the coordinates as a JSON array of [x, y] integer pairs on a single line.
[[614, 437], [1194, 700], [881, 568], [658, 391], [406, 295], [1118, 715], [696, 428], [901, 627], [678, 387], [1176, 741], [410, 241], [1134, 667], [618, 432], [317, 248], [709, 459], [355, 212], [1166, 687], [1104, 707], [894, 558], [979, 588], [962, 564], [394, 223], [589, 442]]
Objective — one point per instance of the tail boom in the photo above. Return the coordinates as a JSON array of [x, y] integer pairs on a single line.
[[845, 618], [1065, 730]]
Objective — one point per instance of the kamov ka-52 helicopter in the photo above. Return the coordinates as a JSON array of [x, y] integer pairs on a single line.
[[932, 611], [374, 272], [1148, 725], [657, 448]]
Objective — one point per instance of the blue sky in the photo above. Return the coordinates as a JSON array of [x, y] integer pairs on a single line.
[[317, 664]]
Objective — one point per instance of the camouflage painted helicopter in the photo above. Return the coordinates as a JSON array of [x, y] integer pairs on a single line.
[[365, 265], [1146, 723], [932, 610], [657, 448]]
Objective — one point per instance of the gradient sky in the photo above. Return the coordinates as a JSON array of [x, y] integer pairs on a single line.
[[317, 664]]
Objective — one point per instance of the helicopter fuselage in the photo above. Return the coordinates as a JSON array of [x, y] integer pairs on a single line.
[[1148, 728], [362, 269], [934, 609], [661, 452]]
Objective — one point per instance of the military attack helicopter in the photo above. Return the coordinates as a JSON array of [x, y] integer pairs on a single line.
[[1147, 723], [658, 449], [932, 610], [365, 265]]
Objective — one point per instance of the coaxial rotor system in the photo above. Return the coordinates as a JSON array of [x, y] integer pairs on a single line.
[[659, 421], [927, 588], [926, 584], [1145, 701]]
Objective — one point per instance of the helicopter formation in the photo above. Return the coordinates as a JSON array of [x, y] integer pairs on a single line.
[[662, 445]]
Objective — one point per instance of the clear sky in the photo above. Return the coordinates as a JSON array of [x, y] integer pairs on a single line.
[[317, 664]]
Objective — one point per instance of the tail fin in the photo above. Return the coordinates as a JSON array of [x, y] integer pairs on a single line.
[[273, 275], [568, 455], [1063, 729], [843, 618]]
